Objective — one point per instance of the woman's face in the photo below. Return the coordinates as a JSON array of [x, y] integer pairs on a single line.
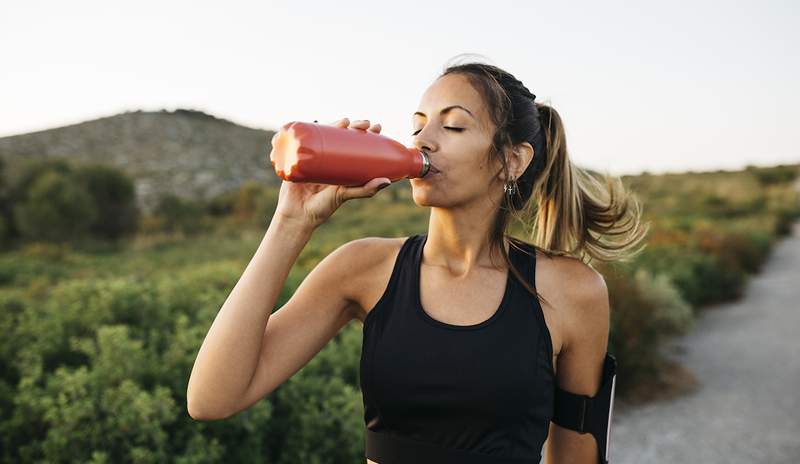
[[457, 142]]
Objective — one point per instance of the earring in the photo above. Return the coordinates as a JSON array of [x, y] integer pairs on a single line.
[[511, 188]]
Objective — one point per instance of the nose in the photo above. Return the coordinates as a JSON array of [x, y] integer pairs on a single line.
[[423, 144], [420, 145]]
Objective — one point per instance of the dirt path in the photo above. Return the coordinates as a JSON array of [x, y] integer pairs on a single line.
[[747, 358]]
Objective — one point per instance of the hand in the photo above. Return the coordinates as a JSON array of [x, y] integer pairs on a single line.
[[312, 204]]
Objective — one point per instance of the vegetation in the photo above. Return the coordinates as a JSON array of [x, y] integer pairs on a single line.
[[103, 309]]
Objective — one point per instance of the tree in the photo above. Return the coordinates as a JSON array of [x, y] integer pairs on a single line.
[[180, 214], [114, 196], [57, 209]]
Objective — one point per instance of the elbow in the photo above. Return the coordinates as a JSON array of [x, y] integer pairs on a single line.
[[195, 412], [200, 414], [204, 410]]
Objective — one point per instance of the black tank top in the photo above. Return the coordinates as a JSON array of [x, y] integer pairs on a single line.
[[440, 393]]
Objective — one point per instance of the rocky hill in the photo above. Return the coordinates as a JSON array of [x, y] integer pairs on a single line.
[[189, 153]]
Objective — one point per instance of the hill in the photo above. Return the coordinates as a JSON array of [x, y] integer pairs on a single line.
[[186, 152]]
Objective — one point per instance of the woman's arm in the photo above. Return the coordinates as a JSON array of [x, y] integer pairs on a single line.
[[229, 354], [580, 363]]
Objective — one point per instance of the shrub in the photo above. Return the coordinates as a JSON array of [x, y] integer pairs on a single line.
[[739, 250], [57, 209], [114, 196], [645, 309], [181, 215], [774, 175], [244, 208], [785, 218]]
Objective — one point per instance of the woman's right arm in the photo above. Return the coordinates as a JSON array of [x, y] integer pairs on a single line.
[[248, 351], [227, 358]]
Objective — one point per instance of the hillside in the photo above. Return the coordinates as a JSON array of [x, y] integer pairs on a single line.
[[189, 153]]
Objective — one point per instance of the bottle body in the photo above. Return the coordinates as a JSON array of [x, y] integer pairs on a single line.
[[311, 152]]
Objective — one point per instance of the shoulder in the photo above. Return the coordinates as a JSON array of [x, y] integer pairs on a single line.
[[586, 325], [367, 252], [587, 285], [368, 262], [585, 297]]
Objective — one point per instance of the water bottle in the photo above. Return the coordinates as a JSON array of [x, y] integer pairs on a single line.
[[319, 153]]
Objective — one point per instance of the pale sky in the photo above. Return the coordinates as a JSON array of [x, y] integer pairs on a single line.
[[663, 86]]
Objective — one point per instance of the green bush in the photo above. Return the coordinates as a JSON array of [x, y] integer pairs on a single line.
[[177, 214], [30, 171], [785, 218], [5, 233], [672, 315], [97, 349], [57, 209], [114, 196], [221, 205], [53, 200], [265, 206], [96, 371], [703, 279], [774, 174], [244, 208], [645, 309]]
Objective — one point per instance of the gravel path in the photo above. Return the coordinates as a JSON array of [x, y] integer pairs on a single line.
[[746, 356]]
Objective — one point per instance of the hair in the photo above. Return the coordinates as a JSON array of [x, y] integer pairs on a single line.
[[575, 213]]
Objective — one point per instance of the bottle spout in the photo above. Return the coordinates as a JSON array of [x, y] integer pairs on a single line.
[[426, 164]]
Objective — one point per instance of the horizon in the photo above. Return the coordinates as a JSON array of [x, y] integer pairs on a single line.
[[625, 79], [636, 173]]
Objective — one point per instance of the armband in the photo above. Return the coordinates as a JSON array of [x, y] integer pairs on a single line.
[[590, 414]]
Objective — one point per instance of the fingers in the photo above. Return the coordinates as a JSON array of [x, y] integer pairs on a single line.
[[367, 190], [344, 122], [362, 124]]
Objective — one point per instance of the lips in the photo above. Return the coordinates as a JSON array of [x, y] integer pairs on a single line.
[[432, 171]]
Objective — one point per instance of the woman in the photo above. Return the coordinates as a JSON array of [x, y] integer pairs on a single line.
[[461, 354]]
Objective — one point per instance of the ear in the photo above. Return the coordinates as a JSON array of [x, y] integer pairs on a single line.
[[519, 159]]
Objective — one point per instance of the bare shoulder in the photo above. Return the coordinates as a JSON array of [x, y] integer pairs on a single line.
[[576, 293], [583, 288], [585, 281], [370, 261], [586, 309]]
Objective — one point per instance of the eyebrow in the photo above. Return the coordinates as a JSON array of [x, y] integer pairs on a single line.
[[445, 110]]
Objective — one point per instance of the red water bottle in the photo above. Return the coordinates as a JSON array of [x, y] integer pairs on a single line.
[[319, 153]]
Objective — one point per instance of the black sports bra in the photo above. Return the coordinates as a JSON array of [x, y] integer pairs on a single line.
[[443, 393]]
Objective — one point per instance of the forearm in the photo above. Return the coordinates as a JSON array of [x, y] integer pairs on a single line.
[[229, 353]]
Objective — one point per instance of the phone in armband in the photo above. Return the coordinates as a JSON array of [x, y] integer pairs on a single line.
[[590, 414]]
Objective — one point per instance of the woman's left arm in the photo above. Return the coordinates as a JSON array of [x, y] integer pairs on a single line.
[[580, 363]]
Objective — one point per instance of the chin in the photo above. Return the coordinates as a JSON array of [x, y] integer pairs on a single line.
[[422, 195], [426, 196]]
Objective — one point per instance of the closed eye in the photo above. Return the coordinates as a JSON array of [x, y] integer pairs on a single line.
[[456, 129]]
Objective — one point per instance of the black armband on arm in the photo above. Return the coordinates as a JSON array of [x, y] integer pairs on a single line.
[[590, 414]]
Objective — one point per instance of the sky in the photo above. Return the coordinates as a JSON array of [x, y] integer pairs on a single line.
[[641, 86]]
